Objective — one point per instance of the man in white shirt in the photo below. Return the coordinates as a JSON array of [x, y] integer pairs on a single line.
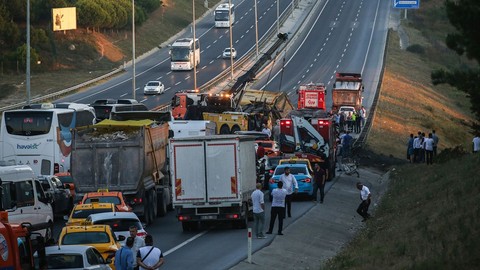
[[138, 242], [476, 144], [149, 257], [258, 211], [291, 185], [278, 208], [267, 131], [428, 144], [365, 196]]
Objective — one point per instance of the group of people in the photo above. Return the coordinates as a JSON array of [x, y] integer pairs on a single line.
[[138, 253], [351, 121], [422, 148], [282, 200]]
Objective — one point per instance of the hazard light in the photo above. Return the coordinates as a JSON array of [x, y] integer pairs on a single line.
[[307, 180], [183, 218]]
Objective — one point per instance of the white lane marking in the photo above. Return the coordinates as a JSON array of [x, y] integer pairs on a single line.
[[123, 95], [184, 243], [143, 100]]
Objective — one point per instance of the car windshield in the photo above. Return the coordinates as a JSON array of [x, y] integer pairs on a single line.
[[274, 161], [153, 84], [66, 179], [267, 145], [85, 238], [293, 170], [84, 213], [104, 199], [64, 261], [120, 224]]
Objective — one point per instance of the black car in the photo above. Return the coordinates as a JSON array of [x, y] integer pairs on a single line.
[[62, 198]]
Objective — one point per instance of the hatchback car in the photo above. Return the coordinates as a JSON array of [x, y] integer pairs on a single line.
[[81, 211], [99, 236], [120, 223], [229, 52], [105, 196], [75, 257], [301, 174], [153, 87]]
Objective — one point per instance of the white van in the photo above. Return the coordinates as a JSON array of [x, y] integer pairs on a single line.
[[191, 128], [24, 199]]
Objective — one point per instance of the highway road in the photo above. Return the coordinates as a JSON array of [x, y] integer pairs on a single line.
[[343, 36], [212, 43]]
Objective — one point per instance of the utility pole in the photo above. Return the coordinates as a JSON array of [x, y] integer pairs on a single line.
[[28, 52], [133, 48], [194, 50], [231, 34]]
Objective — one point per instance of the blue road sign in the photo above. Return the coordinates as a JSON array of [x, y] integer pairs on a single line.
[[406, 3]]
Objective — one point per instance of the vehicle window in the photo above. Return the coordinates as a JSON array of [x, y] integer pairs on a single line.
[[45, 185], [25, 196], [293, 170], [153, 84], [274, 162], [57, 182], [64, 261], [267, 145], [66, 119], [40, 193], [84, 213], [45, 167], [66, 179], [92, 258], [9, 194], [99, 256], [83, 238], [120, 225], [103, 112], [104, 199], [28, 123], [85, 118]]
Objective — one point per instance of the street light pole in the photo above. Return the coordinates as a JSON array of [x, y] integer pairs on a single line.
[[28, 53], [278, 16], [133, 48], [231, 34], [194, 50], [256, 28]]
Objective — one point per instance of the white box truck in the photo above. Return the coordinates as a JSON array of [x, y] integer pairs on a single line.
[[212, 178]]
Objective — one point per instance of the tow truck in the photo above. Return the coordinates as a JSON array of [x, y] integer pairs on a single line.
[[183, 100], [18, 242]]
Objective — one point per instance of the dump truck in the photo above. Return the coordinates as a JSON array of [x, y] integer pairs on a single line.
[[213, 178], [128, 156], [347, 91]]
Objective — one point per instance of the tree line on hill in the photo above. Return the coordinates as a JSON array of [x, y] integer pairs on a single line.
[[464, 15], [91, 15]]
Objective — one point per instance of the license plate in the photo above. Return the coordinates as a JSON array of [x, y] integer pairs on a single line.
[[209, 217]]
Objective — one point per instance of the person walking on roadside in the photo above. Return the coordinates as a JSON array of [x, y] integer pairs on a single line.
[[366, 198], [318, 182], [149, 257], [278, 208], [428, 146], [138, 242], [410, 148], [124, 256], [476, 144], [435, 142], [258, 211], [291, 185]]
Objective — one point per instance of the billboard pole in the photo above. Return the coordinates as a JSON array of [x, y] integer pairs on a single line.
[[28, 53], [133, 49]]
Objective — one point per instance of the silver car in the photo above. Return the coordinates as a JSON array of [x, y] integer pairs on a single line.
[[153, 87], [74, 257], [120, 223]]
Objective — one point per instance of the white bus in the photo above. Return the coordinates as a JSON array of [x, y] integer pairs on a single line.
[[40, 135], [221, 15], [182, 53]]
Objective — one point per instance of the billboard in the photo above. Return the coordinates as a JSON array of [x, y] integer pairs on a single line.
[[64, 18]]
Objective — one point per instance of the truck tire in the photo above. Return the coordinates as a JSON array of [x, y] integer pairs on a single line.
[[49, 232], [162, 207], [152, 206], [243, 223], [224, 130]]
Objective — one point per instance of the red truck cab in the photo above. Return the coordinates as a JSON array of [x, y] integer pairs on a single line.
[[311, 96]]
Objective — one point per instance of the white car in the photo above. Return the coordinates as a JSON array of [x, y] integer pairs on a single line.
[[346, 109], [120, 223], [74, 257], [154, 87], [226, 53]]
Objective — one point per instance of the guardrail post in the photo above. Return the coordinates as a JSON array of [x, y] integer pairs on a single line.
[[249, 259]]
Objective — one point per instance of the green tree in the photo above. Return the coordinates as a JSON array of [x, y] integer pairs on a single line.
[[464, 15], [90, 14], [22, 56]]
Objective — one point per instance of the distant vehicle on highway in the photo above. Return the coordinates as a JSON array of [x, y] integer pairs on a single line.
[[221, 15], [301, 174], [346, 109], [153, 87], [74, 257], [182, 54], [229, 51]]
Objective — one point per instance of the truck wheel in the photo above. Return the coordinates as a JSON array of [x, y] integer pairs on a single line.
[[162, 207], [49, 232], [147, 217], [154, 205], [224, 130], [151, 207], [243, 223]]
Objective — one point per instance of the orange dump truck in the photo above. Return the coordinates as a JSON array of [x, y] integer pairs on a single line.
[[347, 91]]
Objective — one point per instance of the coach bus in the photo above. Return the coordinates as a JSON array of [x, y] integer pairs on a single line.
[[221, 15], [40, 135], [183, 52]]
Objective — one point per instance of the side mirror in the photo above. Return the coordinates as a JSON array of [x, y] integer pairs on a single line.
[[121, 238]]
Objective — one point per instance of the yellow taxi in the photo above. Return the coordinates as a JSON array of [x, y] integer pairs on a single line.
[[100, 237], [80, 212], [295, 160], [105, 196]]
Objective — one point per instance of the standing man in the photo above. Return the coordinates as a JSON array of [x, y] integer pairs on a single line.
[[267, 131], [278, 208], [138, 242], [365, 196], [149, 257], [435, 142], [291, 185], [258, 211], [318, 182], [428, 146], [346, 144], [124, 256], [276, 131], [476, 144]]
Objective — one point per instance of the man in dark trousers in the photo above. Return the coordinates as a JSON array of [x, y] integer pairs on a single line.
[[366, 198], [318, 182], [278, 208]]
